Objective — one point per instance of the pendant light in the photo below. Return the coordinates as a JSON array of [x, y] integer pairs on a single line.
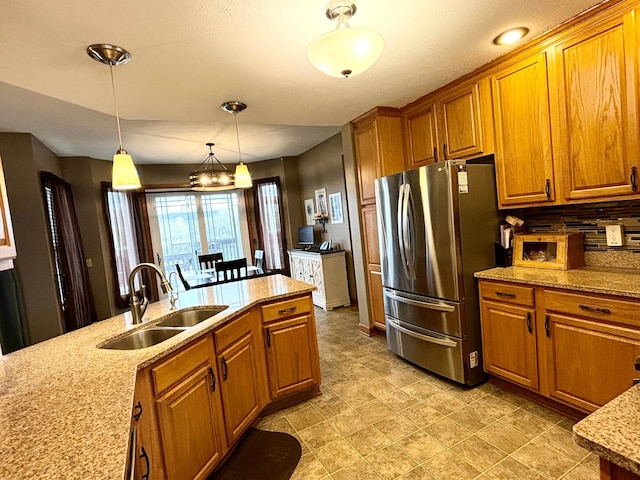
[[124, 174], [242, 175], [346, 51], [211, 177]]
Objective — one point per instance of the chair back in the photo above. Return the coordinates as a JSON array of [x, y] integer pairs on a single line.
[[208, 261], [258, 259], [231, 269], [185, 284]]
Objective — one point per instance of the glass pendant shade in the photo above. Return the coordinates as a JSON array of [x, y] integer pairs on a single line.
[[345, 52], [124, 174], [243, 177]]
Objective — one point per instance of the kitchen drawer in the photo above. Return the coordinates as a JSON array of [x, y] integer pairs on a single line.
[[181, 364], [507, 292], [232, 331], [625, 312], [286, 308]]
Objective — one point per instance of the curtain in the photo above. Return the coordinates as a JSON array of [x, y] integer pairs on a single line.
[[129, 241], [269, 222], [11, 312], [74, 288]]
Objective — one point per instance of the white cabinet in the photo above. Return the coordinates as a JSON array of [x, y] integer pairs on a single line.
[[325, 271], [7, 245]]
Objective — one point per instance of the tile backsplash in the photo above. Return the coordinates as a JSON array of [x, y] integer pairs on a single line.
[[591, 220]]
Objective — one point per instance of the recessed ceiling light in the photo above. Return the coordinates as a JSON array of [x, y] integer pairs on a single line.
[[511, 36]]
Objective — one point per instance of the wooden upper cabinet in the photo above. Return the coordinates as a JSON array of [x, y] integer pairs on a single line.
[[596, 136], [461, 122], [421, 127], [524, 157], [379, 148]]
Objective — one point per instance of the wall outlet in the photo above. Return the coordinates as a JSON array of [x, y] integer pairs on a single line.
[[614, 235]]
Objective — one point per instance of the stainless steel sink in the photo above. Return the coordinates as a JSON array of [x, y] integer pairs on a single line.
[[141, 339], [190, 317]]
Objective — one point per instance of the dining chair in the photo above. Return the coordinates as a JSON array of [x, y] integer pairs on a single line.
[[258, 261], [185, 284], [209, 260], [232, 269]]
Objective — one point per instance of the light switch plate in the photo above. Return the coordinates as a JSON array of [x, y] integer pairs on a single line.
[[614, 235]]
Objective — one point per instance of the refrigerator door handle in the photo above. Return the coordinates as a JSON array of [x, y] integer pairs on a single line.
[[443, 307], [401, 239], [408, 233], [426, 338]]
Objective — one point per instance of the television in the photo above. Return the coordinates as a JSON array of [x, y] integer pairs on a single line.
[[305, 236]]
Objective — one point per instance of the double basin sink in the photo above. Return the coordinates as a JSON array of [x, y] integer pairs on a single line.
[[169, 325]]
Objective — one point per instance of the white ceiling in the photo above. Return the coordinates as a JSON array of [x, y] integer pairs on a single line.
[[190, 56]]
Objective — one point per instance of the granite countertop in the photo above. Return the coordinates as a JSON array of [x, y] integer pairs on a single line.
[[65, 405], [613, 281], [613, 431]]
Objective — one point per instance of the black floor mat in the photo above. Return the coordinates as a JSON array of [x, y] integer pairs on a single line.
[[261, 456]]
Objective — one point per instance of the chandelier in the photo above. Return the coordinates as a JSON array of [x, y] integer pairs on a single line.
[[211, 175]]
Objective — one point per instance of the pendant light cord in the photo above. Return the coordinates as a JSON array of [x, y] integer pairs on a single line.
[[115, 101], [235, 117]]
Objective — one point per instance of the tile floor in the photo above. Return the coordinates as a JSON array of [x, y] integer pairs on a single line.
[[380, 417]]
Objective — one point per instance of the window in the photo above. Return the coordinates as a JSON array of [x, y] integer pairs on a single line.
[[185, 225]]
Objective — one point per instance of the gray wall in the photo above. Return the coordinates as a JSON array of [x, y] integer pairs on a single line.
[[23, 157], [322, 167]]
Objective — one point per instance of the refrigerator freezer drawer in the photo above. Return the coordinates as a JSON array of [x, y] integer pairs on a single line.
[[437, 353], [430, 313]]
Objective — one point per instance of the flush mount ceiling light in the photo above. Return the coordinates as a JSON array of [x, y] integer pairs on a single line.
[[511, 36], [346, 51], [242, 175], [124, 174], [211, 176]]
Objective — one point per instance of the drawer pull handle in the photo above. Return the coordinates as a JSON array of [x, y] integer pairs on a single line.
[[137, 408], [547, 189], [213, 379], [632, 179], [287, 310], [529, 322], [268, 337], [594, 309], [505, 294], [225, 369], [547, 330]]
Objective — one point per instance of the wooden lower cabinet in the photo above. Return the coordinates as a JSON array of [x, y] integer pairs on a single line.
[[241, 373], [291, 348], [190, 420], [574, 348], [197, 402], [509, 343], [589, 363], [376, 298], [189, 411]]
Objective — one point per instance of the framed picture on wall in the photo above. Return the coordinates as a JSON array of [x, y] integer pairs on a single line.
[[308, 211], [335, 208], [321, 202]]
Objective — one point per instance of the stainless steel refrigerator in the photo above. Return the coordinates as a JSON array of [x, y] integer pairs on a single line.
[[437, 226]]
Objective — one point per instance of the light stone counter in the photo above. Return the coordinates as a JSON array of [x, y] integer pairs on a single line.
[[613, 431], [65, 405], [611, 281]]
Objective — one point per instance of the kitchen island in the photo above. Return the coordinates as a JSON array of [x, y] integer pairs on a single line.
[[66, 405]]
